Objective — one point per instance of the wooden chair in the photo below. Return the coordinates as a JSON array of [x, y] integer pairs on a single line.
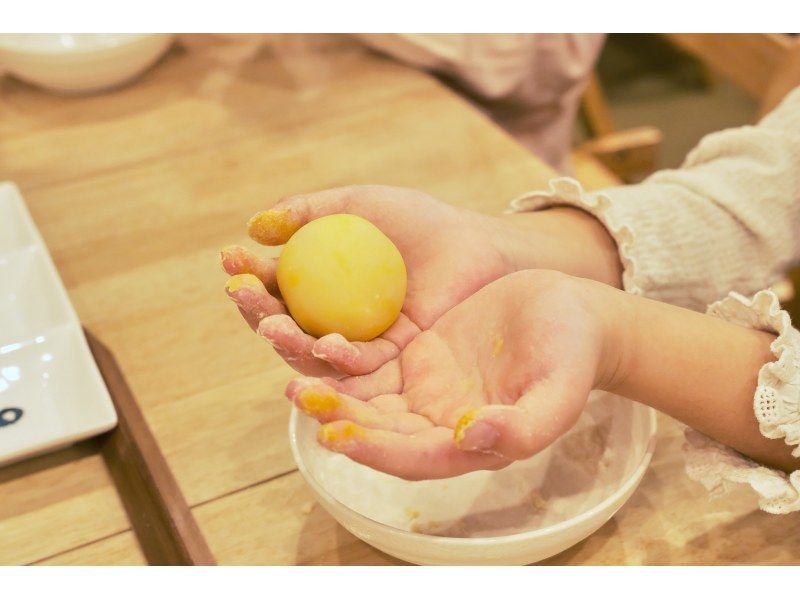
[[765, 65], [630, 154]]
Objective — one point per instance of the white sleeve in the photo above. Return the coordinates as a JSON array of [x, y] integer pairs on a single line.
[[776, 406], [728, 219]]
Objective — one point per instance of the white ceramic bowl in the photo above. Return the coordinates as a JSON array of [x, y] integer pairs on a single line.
[[524, 513], [80, 62]]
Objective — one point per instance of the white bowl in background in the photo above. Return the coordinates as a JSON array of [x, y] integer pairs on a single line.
[[80, 62], [524, 513]]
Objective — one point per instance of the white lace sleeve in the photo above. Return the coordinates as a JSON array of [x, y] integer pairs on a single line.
[[726, 220], [776, 405]]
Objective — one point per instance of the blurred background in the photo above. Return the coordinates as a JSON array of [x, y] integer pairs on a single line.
[[607, 109], [686, 86], [648, 79]]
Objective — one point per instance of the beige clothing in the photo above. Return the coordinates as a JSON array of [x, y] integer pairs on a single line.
[[724, 225], [530, 83]]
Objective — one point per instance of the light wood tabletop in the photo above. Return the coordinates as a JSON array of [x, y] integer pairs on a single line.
[[136, 190]]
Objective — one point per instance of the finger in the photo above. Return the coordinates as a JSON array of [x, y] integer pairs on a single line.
[[253, 300], [276, 225], [387, 379], [294, 346], [402, 331], [301, 362], [322, 402], [354, 358], [429, 454], [521, 430], [285, 335], [392, 403], [240, 260], [298, 349], [360, 358]]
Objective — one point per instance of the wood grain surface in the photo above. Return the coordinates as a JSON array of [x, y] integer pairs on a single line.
[[162, 521], [136, 190], [669, 520]]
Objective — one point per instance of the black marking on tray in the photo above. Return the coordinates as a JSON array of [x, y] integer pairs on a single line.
[[10, 415]]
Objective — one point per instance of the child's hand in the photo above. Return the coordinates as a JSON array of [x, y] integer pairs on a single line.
[[449, 253], [497, 378]]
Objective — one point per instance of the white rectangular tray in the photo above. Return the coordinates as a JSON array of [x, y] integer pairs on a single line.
[[51, 392]]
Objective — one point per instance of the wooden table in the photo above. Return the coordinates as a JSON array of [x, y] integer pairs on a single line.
[[135, 190]]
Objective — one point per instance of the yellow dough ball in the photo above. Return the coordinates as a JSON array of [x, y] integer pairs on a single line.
[[340, 273]]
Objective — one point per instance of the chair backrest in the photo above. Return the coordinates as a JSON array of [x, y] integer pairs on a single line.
[[765, 65]]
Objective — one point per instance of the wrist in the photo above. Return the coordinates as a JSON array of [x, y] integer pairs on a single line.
[[607, 334], [617, 315], [560, 238]]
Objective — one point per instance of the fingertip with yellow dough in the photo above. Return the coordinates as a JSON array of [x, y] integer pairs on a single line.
[[240, 281], [273, 227], [337, 435], [464, 422], [315, 402]]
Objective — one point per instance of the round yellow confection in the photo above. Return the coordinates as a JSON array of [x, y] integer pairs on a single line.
[[340, 273]]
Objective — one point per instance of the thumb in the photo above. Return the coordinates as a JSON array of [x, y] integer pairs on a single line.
[[543, 414]]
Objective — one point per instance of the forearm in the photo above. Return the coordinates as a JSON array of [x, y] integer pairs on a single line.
[[699, 369], [561, 238]]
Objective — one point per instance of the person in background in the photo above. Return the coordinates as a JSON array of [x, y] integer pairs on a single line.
[[510, 321], [529, 83]]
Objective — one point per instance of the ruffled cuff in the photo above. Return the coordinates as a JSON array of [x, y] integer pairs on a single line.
[[568, 191], [776, 405], [674, 246]]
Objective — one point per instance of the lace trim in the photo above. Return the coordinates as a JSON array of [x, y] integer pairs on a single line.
[[776, 405], [568, 191], [777, 398], [718, 467]]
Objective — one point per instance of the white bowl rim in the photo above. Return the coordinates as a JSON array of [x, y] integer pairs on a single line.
[[128, 39], [632, 480]]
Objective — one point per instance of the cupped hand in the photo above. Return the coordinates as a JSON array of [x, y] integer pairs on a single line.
[[449, 253], [497, 378]]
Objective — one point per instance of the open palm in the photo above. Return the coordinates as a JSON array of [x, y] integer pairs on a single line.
[[497, 378], [449, 253]]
